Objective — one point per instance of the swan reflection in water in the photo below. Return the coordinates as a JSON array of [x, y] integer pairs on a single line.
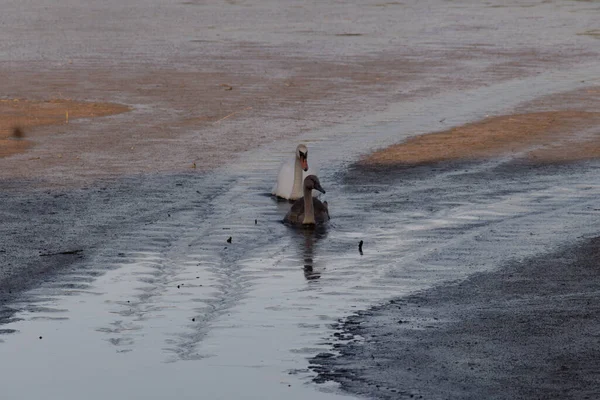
[[307, 240]]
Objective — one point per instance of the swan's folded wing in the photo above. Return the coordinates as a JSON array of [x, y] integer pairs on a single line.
[[321, 210], [296, 211], [285, 180]]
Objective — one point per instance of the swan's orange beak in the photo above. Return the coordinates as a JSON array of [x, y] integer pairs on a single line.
[[304, 163]]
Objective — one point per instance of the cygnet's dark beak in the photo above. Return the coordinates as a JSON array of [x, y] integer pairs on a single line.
[[319, 188]]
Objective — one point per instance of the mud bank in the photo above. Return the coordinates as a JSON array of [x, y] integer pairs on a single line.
[[528, 330], [47, 231]]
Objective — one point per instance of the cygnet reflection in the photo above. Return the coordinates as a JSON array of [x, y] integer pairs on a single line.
[[307, 240]]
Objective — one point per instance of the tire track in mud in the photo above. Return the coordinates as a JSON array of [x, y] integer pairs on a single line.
[[147, 246], [188, 269], [422, 228], [488, 217], [179, 274]]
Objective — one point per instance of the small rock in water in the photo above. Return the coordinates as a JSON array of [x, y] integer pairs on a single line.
[[178, 286], [255, 221], [360, 247], [193, 319], [229, 240], [40, 337]]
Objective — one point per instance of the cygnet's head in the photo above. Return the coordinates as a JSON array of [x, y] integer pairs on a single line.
[[312, 182], [302, 155]]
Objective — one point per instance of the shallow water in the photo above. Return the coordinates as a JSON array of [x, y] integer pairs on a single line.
[[168, 307]]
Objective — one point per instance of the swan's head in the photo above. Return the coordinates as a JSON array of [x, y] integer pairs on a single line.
[[312, 182], [302, 155]]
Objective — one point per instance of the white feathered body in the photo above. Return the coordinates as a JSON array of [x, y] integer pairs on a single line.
[[285, 180]]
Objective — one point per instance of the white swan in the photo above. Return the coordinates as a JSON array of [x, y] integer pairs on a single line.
[[308, 210], [291, 175]]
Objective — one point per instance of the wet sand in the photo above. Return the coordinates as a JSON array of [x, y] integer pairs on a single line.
[[525, 330], [541, 137], [568, 133], [528, 330], [216, 80], [205, 84]]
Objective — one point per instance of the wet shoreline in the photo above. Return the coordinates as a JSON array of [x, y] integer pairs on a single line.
[[180, 222], [49, 232], [527, 330], [115, 230]]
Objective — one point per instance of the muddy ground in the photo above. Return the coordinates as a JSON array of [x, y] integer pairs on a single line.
[[526, 331], [188, 87], [212, 82]]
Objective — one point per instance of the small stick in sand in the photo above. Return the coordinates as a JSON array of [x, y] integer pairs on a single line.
[[232, 114]]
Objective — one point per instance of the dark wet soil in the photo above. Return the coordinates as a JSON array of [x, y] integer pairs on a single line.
[[46, 232], [526, 331]]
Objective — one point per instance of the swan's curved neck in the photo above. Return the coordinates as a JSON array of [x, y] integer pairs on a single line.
[[309, 212], [297, 188]]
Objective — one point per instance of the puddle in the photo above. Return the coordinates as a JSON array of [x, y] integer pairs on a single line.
[[172, 308]]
